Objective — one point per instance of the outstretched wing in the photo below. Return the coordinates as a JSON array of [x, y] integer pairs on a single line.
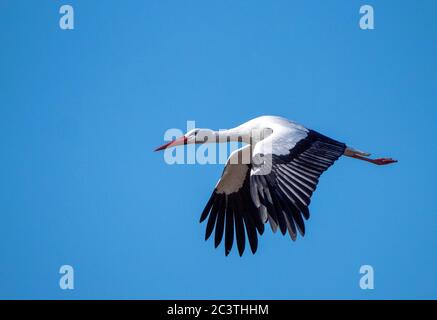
[[283, 182], [230, 206]]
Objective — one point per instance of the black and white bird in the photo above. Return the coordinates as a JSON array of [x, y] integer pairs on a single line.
[[269, 180]]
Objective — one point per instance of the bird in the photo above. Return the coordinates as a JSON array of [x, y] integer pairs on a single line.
[[269, 180]]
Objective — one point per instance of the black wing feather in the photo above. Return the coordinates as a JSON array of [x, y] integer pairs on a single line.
[[233, 215], [285, 192], [229, 231], [287, 189]]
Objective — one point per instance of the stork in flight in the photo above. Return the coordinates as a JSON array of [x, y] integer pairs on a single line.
[[275, 185]]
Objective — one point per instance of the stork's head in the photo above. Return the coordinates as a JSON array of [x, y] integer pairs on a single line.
[[195, 136]]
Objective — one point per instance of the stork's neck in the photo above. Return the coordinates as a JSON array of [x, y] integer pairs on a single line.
[[234, 134]]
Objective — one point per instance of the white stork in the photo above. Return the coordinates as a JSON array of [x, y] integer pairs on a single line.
[[275, 185]]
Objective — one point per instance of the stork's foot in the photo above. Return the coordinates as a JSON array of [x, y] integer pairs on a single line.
[[379, 161], [383, 161]]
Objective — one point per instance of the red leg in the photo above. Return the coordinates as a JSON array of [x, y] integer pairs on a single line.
[[380, 161]]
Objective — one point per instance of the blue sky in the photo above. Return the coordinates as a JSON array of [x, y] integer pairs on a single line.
[[82, 110]]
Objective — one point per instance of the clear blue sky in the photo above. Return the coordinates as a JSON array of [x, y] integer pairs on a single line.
[[82, 110]]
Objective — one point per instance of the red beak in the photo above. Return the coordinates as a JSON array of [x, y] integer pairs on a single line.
[[179, 141]]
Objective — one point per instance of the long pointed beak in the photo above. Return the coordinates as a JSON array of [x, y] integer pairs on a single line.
[[179, 141]]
